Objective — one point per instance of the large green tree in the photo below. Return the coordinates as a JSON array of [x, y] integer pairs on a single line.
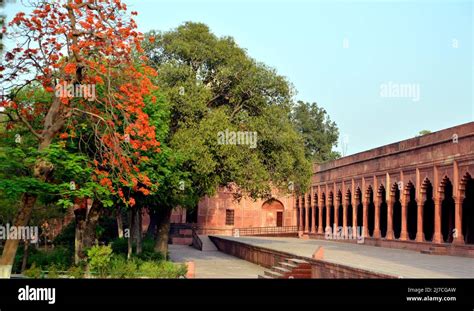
[[320, 134], [213, 86]]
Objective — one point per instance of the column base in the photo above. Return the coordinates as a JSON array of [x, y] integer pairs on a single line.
[[377, 234], [419, 237], [459, 240], [437, 238], [403, 236], [389, 235]]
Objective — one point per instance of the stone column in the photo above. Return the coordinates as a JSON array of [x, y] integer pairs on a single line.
[[313, 214], [404, 202], [390, 200], [437, 236], [320, 218], [336, 213], [300, 206], [378, 199], [355, 204], [365, 214], [420, 236], [345, 207], [328, 216], [306, 216], [458, 237]]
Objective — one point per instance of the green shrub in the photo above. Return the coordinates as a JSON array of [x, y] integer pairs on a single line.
[[53, 272], [60, 256], [76, 272], [162, 269], [33, 272], [99, 258], [122, 268]]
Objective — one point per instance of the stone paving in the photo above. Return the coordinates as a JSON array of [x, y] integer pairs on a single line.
[[399, 262], [215, 264]]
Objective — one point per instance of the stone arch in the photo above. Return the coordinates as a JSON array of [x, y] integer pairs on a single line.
[[331, 210], [467, 184], [383, 211], [340, 210], [396, 211], [297, 205], [447, 210], [428, 210], [316, 211], [349, 210], [303, 212], [273, 212], [324, 210], [360, 208], [412, 211], [370, 210], [273, 204], [310, 211]]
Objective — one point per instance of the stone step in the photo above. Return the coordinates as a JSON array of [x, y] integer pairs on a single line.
[[265, 277], [287, 265], [273, 274], [296, 261], [281, 269]]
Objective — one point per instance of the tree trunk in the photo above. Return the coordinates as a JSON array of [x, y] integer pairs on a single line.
[[162, 230], [42, 171], [80, 215], [139, 230], [131, 230], [11, 245], [151, 230], [118, 216], [90, 237], [86, 223], [25, 255]]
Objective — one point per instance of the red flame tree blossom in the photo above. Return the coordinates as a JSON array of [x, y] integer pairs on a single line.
[[82, 42]]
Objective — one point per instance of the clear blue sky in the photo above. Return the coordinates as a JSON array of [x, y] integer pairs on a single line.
[[403, 42]]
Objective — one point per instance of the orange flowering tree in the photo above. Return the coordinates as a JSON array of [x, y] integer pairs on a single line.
[[83, 53]]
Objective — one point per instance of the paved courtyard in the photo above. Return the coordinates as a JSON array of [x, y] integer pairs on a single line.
[[214, 264], [403, 263]]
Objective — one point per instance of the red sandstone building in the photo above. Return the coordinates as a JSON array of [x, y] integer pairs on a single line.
[[416, 194]]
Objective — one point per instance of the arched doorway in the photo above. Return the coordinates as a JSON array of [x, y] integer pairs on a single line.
[[428, 211], [412, 212], [370, 211], [340, 210], [447, 211], [273, 213], [360, 209], [349, 209], [397, 212], [331, 210], [468, 210], [383, 211]]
